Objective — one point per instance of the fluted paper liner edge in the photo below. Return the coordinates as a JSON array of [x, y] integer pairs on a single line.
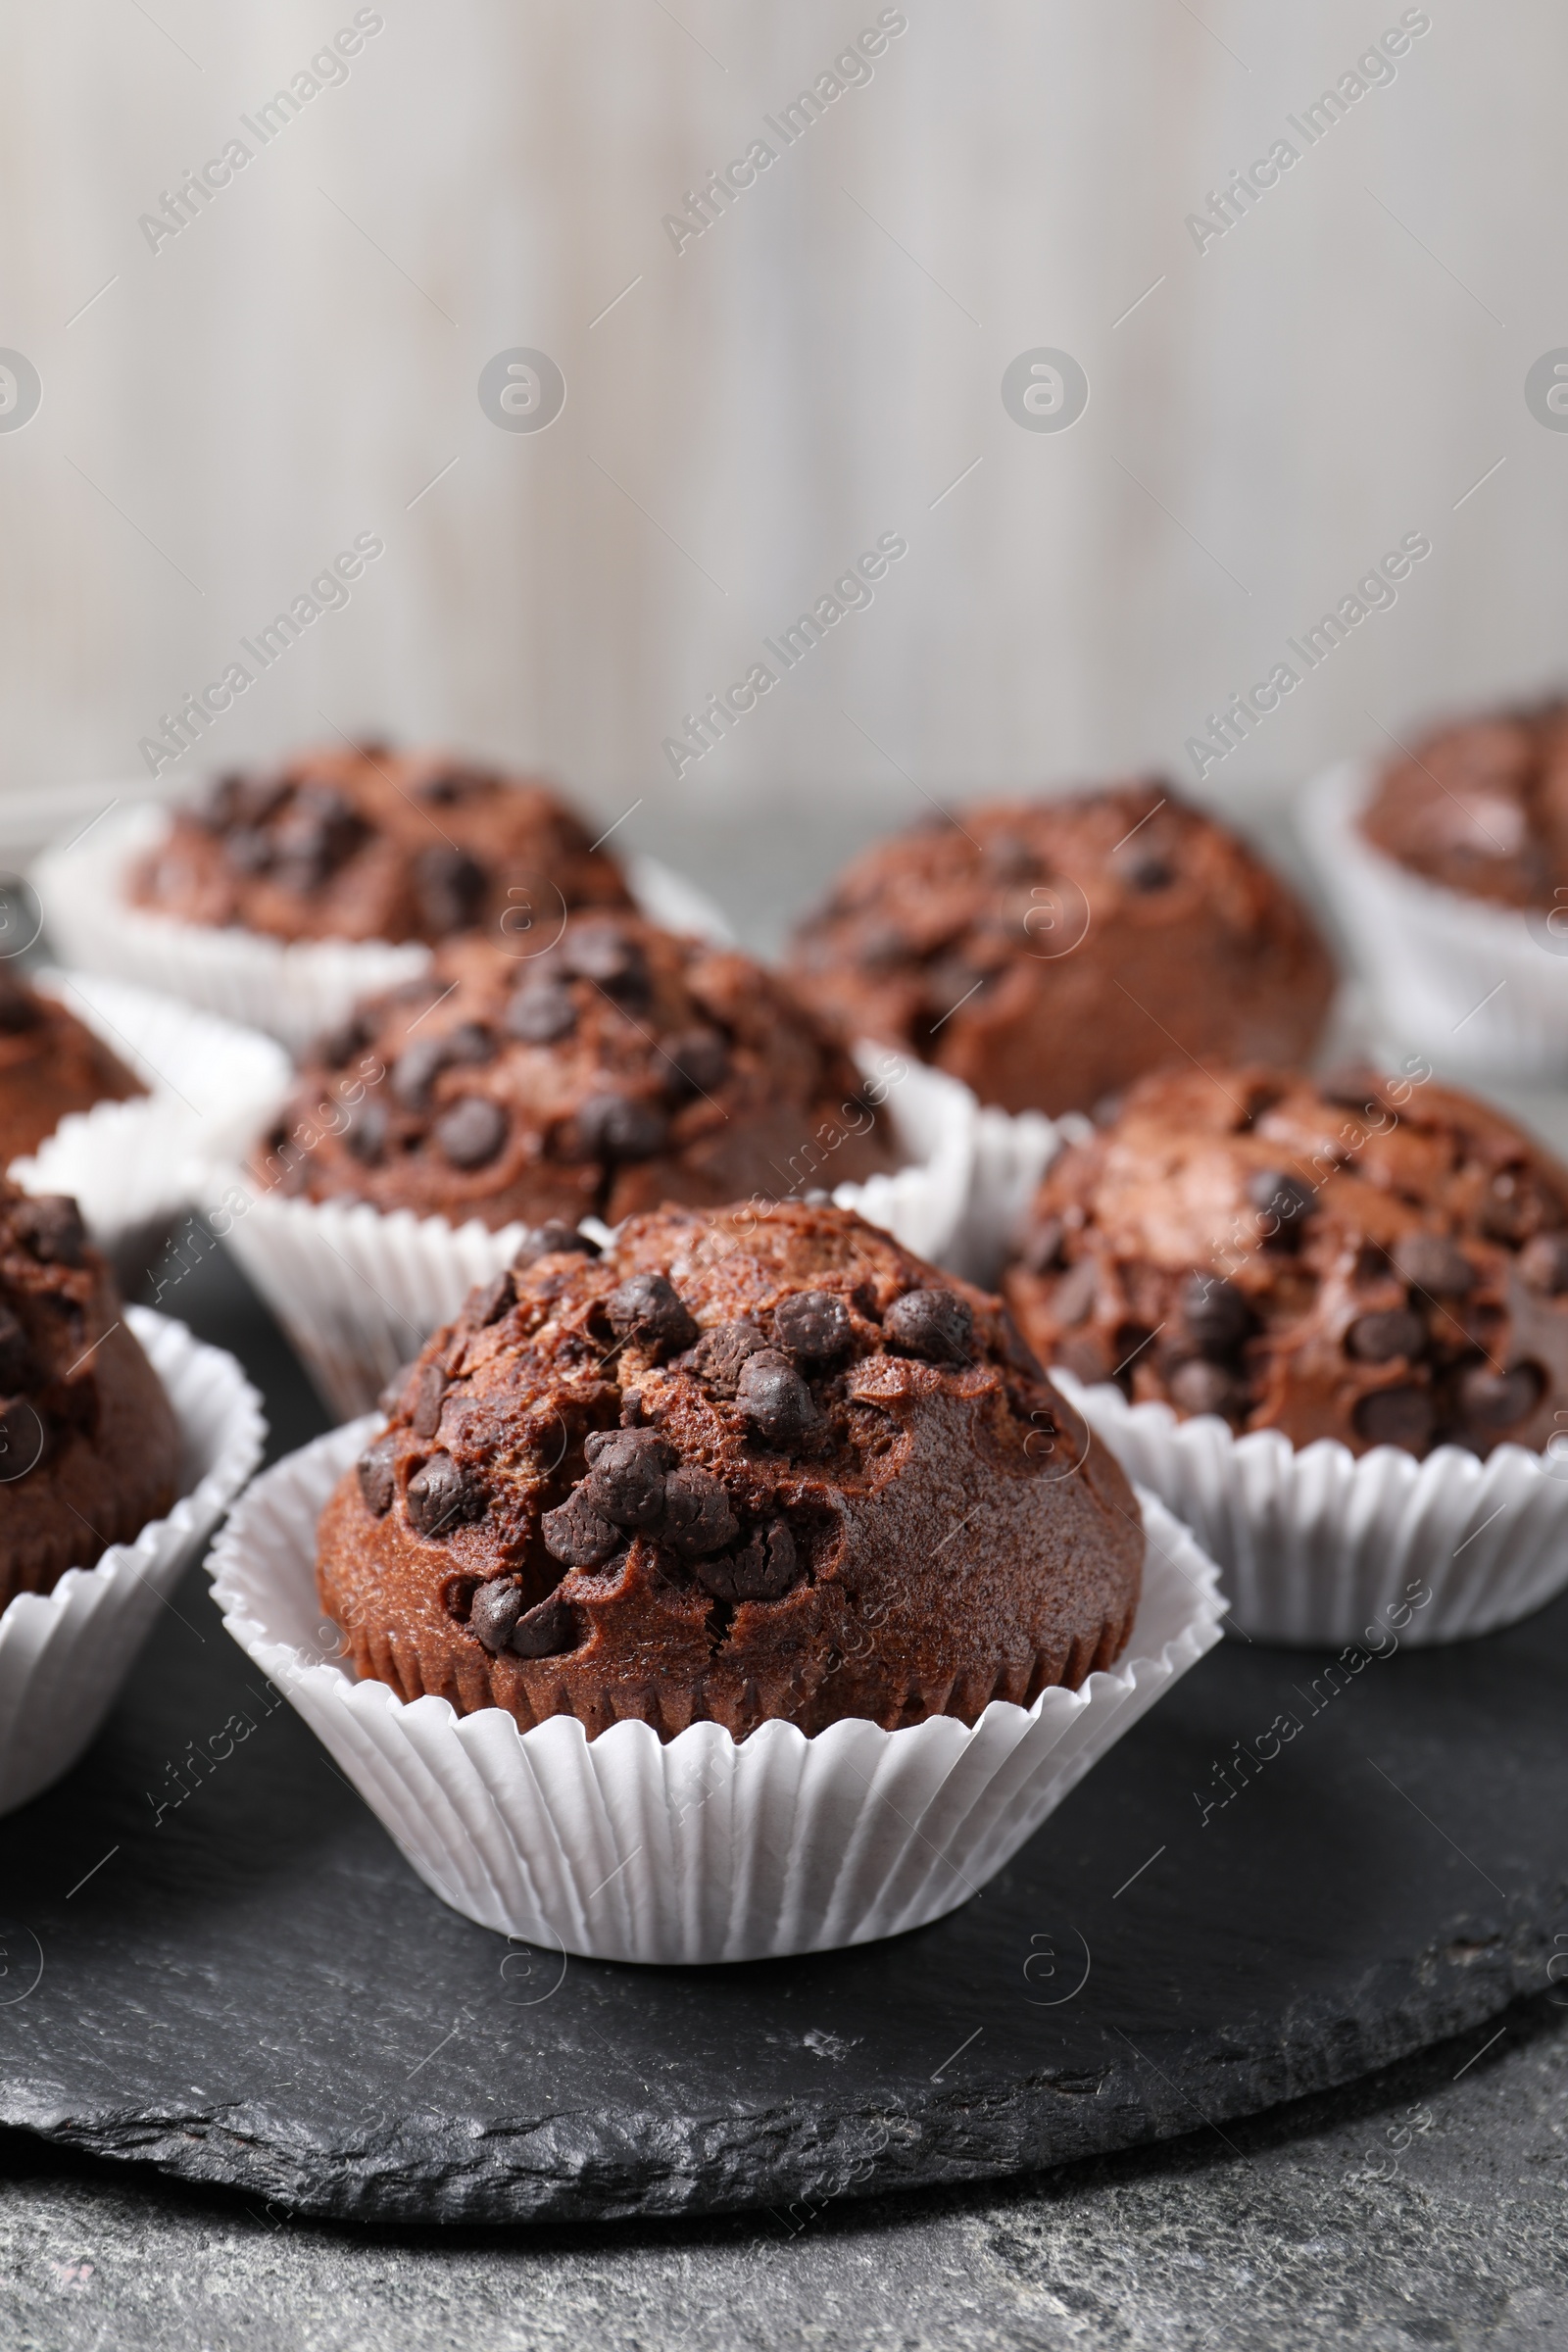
[[699, 1849], [1319, 1547], [65, 1655]]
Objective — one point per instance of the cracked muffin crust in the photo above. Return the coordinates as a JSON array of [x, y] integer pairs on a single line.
[[623, 1067], [1049, 952], [89, 1448], [749, 1465], [1380, 1260], [51, 1065], [1481, 808], [365, 843]]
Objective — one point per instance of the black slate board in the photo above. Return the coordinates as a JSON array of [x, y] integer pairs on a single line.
[[255, 1989]]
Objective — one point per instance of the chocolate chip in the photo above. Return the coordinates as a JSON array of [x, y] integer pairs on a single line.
[[614, 1126], [1216, 1313], [1010, 859], [429, 1390], [774, 1398], [377, 1474], [494, 1611], [719, 1354], [1430, 1262], [1200, 1387], [472, 1130], [1042, 1247], [597, 948], [1145, 870], [1378, 1338], [698, 1518], [454, 784], [541, 1013], [18, 1010], [627, 1481], [1544, 1263], [936, 1324], [249, 851], [763, 1569], [648, 1308], [549, 1629], [1491, 1399], [441, 1495], [1395, 1417], [471, 1045], [317, 831], [1074, 1294], [491, 1301], [448, 889], [390, 1400], [544, 1241], [696, 1061], [416, 1069], [340, 1045], [813, 1324], [576, 1534], [1352, 1088], [365, 1137], [16, 1365], [213, 808], [1275, 1192], [51, 1228], [883, 947]]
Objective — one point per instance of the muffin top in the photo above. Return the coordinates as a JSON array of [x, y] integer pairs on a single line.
[[1049, 952], [90, 1450], [1380, 1260], [755, 1464], [367, 843], [50, 1064], [620, 1067], [1481, 807]]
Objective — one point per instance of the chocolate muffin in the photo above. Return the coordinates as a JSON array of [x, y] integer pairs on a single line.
[[1381, 1261], [1049, 952], [50, 1065], [89, 1448], [364, 842], [623, 1067], [1481, 807], [748, 1465]]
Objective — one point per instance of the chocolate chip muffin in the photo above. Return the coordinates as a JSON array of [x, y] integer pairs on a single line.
[[623, 1067], [1046, 952], [748, 1465], [89, 1448], [1381, 1261], [364, 842], [1481, 807], [50, 1065]]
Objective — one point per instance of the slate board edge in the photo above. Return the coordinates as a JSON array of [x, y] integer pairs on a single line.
[[642, 2166]]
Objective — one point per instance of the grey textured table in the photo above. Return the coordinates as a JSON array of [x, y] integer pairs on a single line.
[[1427, 2205]]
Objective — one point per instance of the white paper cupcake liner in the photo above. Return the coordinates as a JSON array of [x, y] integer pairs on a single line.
[[64, 1655], [129, 1165], [359, 1291], [626, 1847], [1012, 1152], [295, 989], [1321, 1547], [1482, 991]]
